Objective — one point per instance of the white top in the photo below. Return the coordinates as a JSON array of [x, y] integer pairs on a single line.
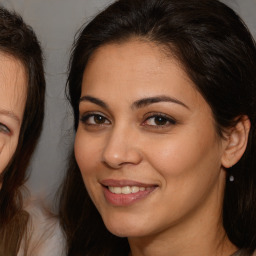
[[44, 234]]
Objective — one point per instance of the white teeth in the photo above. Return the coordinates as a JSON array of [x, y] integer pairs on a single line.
[[135, 189], [115, 190], [127, 189]]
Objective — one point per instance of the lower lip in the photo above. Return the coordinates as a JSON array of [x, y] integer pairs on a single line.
[[125, 199]]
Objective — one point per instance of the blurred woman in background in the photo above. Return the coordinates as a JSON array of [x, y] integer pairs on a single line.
[[22, 91]]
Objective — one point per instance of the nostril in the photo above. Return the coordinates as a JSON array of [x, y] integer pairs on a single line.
[[120, 150], [112, 165]]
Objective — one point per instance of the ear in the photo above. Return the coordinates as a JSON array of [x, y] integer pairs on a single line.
[[236, 142]]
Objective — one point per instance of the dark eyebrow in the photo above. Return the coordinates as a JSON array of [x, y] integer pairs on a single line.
[[94, 100], [10, 114], [137, 104], [147, 101]]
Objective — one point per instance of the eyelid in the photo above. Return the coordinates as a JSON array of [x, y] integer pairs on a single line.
[[86, 115], [170, 119], [4, 128]]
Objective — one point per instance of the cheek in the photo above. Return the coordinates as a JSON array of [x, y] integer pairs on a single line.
[[1, 144], [2, 160], [191, 154], [7, 149], [189, 169], [88, 156], [87, 153]]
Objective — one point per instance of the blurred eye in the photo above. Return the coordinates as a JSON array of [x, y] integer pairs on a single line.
[[159, 121], [94, 119], [4, 129]]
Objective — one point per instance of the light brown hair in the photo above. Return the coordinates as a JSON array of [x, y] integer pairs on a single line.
[[19, 41]]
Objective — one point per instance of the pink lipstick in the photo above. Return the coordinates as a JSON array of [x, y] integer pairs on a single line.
[[125, 192]]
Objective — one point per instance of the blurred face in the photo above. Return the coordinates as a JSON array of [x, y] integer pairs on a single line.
[[146, 143], [13, 90]]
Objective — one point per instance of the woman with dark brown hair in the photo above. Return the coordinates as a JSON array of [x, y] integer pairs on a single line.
[[22, 91], [164, 100]]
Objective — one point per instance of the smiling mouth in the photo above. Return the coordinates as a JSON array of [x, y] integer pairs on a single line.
[[125, 193], [127, 189]]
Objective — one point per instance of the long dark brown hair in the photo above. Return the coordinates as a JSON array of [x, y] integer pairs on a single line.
[[219, 55], [19, 41]]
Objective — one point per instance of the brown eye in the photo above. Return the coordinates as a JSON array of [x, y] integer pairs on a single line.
[[99, 119], [159, 121], [94, 119]]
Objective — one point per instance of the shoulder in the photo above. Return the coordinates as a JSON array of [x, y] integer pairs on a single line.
[[44, 235]]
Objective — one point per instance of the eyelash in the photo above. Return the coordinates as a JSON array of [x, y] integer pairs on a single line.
[[165, 118], [84, 119], [168, 121], [4, 129]]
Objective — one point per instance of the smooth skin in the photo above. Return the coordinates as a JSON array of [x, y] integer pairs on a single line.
[[13, 91], [142, 119]]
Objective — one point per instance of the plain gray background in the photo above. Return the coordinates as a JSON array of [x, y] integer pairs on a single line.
[[55, 23]]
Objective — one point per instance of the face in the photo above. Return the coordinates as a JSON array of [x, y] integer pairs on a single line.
[[146, 143], [13, 85]]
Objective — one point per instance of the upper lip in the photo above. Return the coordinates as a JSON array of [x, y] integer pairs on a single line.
[[122, 183]]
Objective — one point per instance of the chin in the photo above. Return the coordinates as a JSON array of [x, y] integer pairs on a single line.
[[122, 232], [126, 230], [125, 222]]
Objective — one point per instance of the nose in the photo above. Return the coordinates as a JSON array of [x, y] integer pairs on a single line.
[[121, 149]]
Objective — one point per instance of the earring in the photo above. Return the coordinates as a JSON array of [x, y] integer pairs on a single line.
[[231, 178]]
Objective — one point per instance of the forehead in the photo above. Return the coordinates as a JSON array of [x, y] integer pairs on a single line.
[[139, 54], [135, 68], [13, 85]]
